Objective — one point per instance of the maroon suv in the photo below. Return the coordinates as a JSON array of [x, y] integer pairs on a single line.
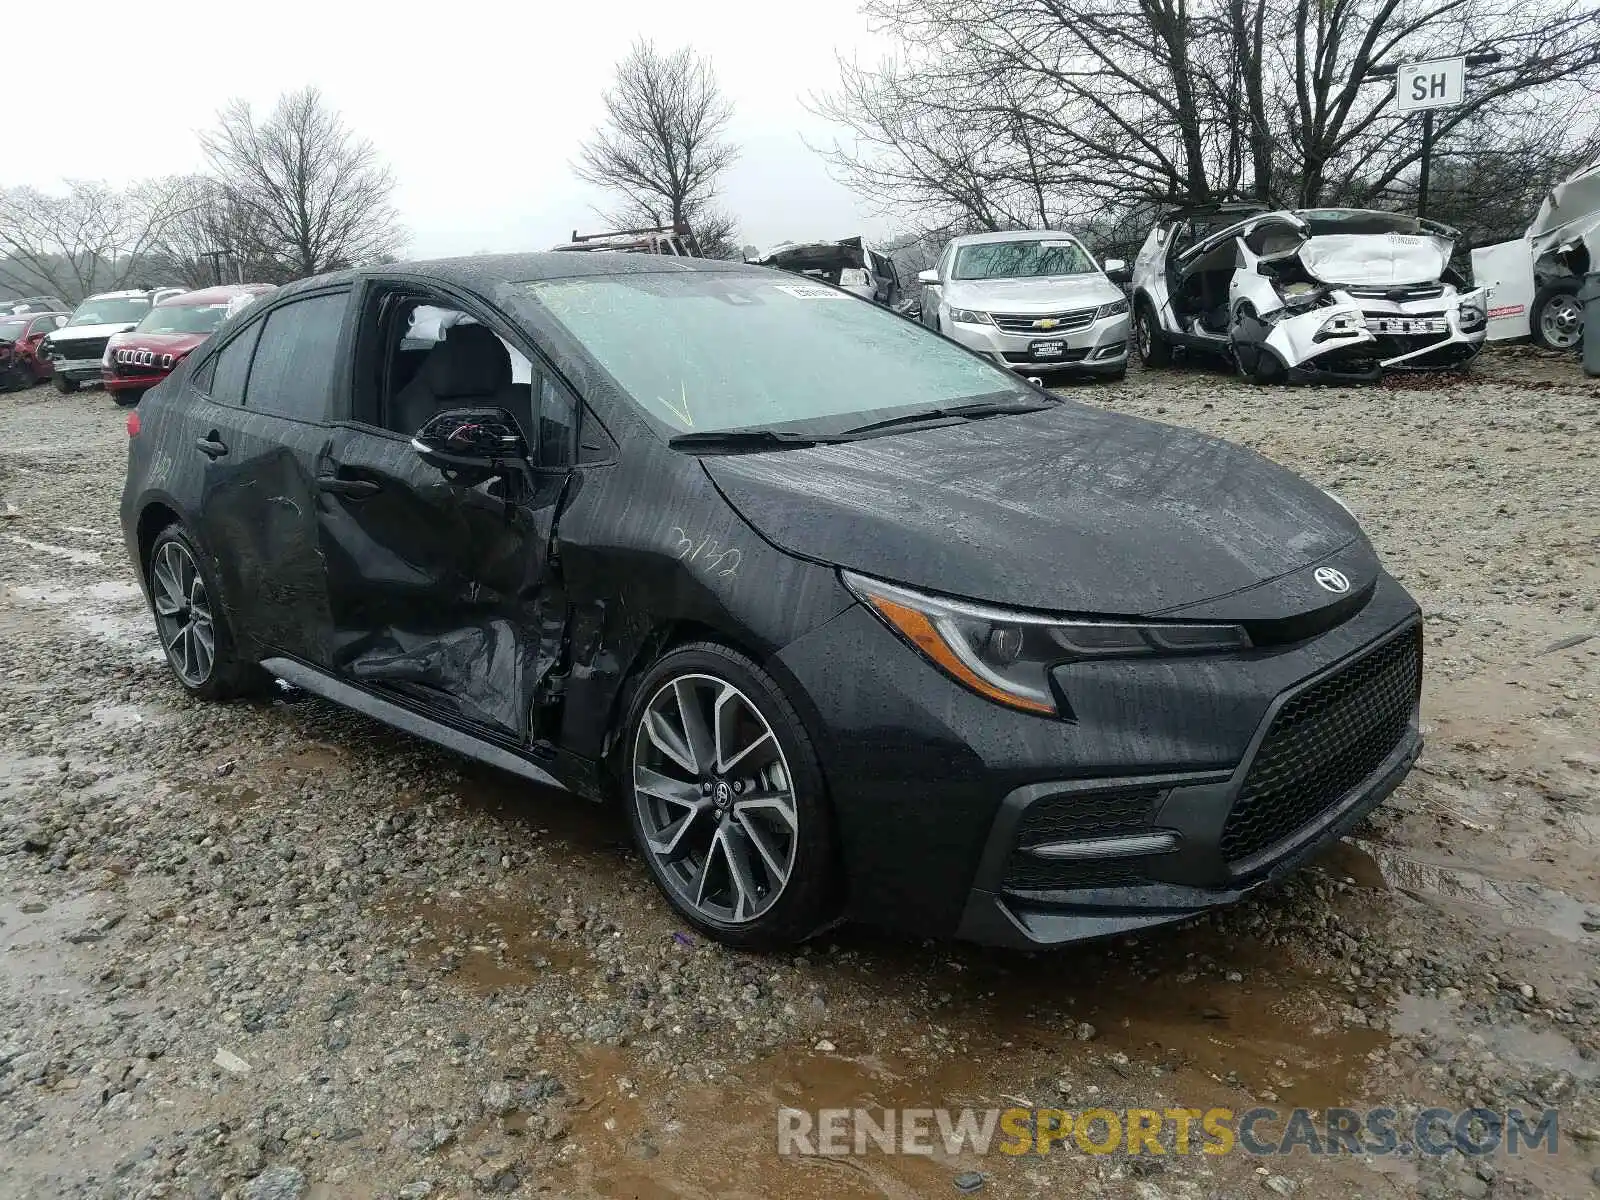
[[141, 358], [21, 365]]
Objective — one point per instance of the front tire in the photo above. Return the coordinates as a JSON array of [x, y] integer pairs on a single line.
[[1154, 348], [193, 629], [725, 797], [66, 386], [1556, 321], [127, 397]]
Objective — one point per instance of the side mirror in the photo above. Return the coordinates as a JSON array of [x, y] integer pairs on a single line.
[[928, 277], [471, 439], [1117, 271]]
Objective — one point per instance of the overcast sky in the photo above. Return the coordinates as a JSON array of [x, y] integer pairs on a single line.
[[478, 107]]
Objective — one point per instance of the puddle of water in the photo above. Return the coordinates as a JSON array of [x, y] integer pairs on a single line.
[[31, 942], [483, 943], [110, 609], [1520, 904], [1508, 1040], [85, 558], [125, 716]]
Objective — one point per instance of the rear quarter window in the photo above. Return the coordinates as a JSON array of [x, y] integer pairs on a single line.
[[295, 360]]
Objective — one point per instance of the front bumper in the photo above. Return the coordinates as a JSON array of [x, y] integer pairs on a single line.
[[82, 370], [1018, 898], [933, 787], [120, 383], [1099, 349]]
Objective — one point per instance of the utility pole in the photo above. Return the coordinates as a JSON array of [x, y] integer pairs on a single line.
[[1424, 87]]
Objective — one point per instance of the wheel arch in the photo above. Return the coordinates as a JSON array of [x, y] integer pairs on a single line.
[[155, 516]]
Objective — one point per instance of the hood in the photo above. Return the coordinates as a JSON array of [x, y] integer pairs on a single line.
[[1054, 294], [1379, 259], [160, 343], [1071, 509], [73, 332]]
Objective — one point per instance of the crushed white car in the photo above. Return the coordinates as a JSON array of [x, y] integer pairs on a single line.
[[1533, 281], [1305, 296]]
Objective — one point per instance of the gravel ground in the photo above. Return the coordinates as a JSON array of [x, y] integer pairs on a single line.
[[275, 950]]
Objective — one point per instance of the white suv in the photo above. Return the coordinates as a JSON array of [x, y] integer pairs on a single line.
[[76, 349]]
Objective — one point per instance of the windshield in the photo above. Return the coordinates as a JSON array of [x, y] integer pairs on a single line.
[[124, 310], [183, 318], [10, 331], [706, 351], [1022, 260]]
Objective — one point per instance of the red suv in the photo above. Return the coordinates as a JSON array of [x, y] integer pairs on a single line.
[[21, 365], [141, 358]]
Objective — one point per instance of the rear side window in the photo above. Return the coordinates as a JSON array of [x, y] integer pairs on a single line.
[[296, 359], [226, 378]]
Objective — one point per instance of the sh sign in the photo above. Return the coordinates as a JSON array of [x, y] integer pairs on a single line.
[[1438, 84]]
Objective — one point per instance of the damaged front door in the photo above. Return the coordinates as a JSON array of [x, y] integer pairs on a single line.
[[440, 581]]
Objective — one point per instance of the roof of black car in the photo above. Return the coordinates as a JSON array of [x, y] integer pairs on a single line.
[[486, 270]]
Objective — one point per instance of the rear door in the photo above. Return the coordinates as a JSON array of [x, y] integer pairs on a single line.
[[264, 426]]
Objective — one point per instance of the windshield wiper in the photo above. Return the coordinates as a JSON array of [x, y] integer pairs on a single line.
[[978, 408], [746, 439]]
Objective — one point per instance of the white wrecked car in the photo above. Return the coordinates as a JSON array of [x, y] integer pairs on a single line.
[[1533, 282], [1312, 295]]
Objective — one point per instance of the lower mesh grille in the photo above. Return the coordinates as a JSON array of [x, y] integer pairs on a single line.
[[1073, 816], [1323, 743]]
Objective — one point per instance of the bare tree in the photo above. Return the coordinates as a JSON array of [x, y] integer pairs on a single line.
[[1005, 112], [300, 192], [662, 149], [93, 237]]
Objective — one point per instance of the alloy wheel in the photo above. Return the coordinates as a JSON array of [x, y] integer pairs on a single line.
[[1142, 334], [715, 798], [1561, 322], [183, 613]]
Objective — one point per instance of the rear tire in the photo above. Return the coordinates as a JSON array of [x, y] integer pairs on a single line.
[[191, 623], [1154, 348], [1556, 320], [66, 386], [705, 727]]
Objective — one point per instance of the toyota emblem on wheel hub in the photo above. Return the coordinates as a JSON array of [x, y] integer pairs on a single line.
[[1332, 579]]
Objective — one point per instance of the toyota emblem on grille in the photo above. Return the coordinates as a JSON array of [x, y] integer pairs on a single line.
[[1332, 579]]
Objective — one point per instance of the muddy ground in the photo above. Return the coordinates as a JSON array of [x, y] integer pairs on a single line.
[[274, 950]]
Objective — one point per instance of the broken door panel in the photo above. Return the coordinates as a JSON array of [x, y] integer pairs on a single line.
[[440, 587]]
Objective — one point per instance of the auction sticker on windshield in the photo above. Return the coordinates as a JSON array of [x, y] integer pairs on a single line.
[[812, 291]]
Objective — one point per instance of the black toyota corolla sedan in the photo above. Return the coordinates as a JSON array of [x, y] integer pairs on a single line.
[[852, 622]]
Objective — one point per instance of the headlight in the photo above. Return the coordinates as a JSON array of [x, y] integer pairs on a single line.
[[1115, 309], [1340, 325], [1006, 655], [967, 316]]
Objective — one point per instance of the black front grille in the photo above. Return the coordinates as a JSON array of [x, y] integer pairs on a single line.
[[1069, 355], [1072, 816], [1323, 743], [1399, 293], [78, 349]]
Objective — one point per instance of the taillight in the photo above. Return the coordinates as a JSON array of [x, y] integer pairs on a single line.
[[133, 423]]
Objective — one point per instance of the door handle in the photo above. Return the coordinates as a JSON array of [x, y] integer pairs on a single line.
[[211, 445], [354, 488]]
